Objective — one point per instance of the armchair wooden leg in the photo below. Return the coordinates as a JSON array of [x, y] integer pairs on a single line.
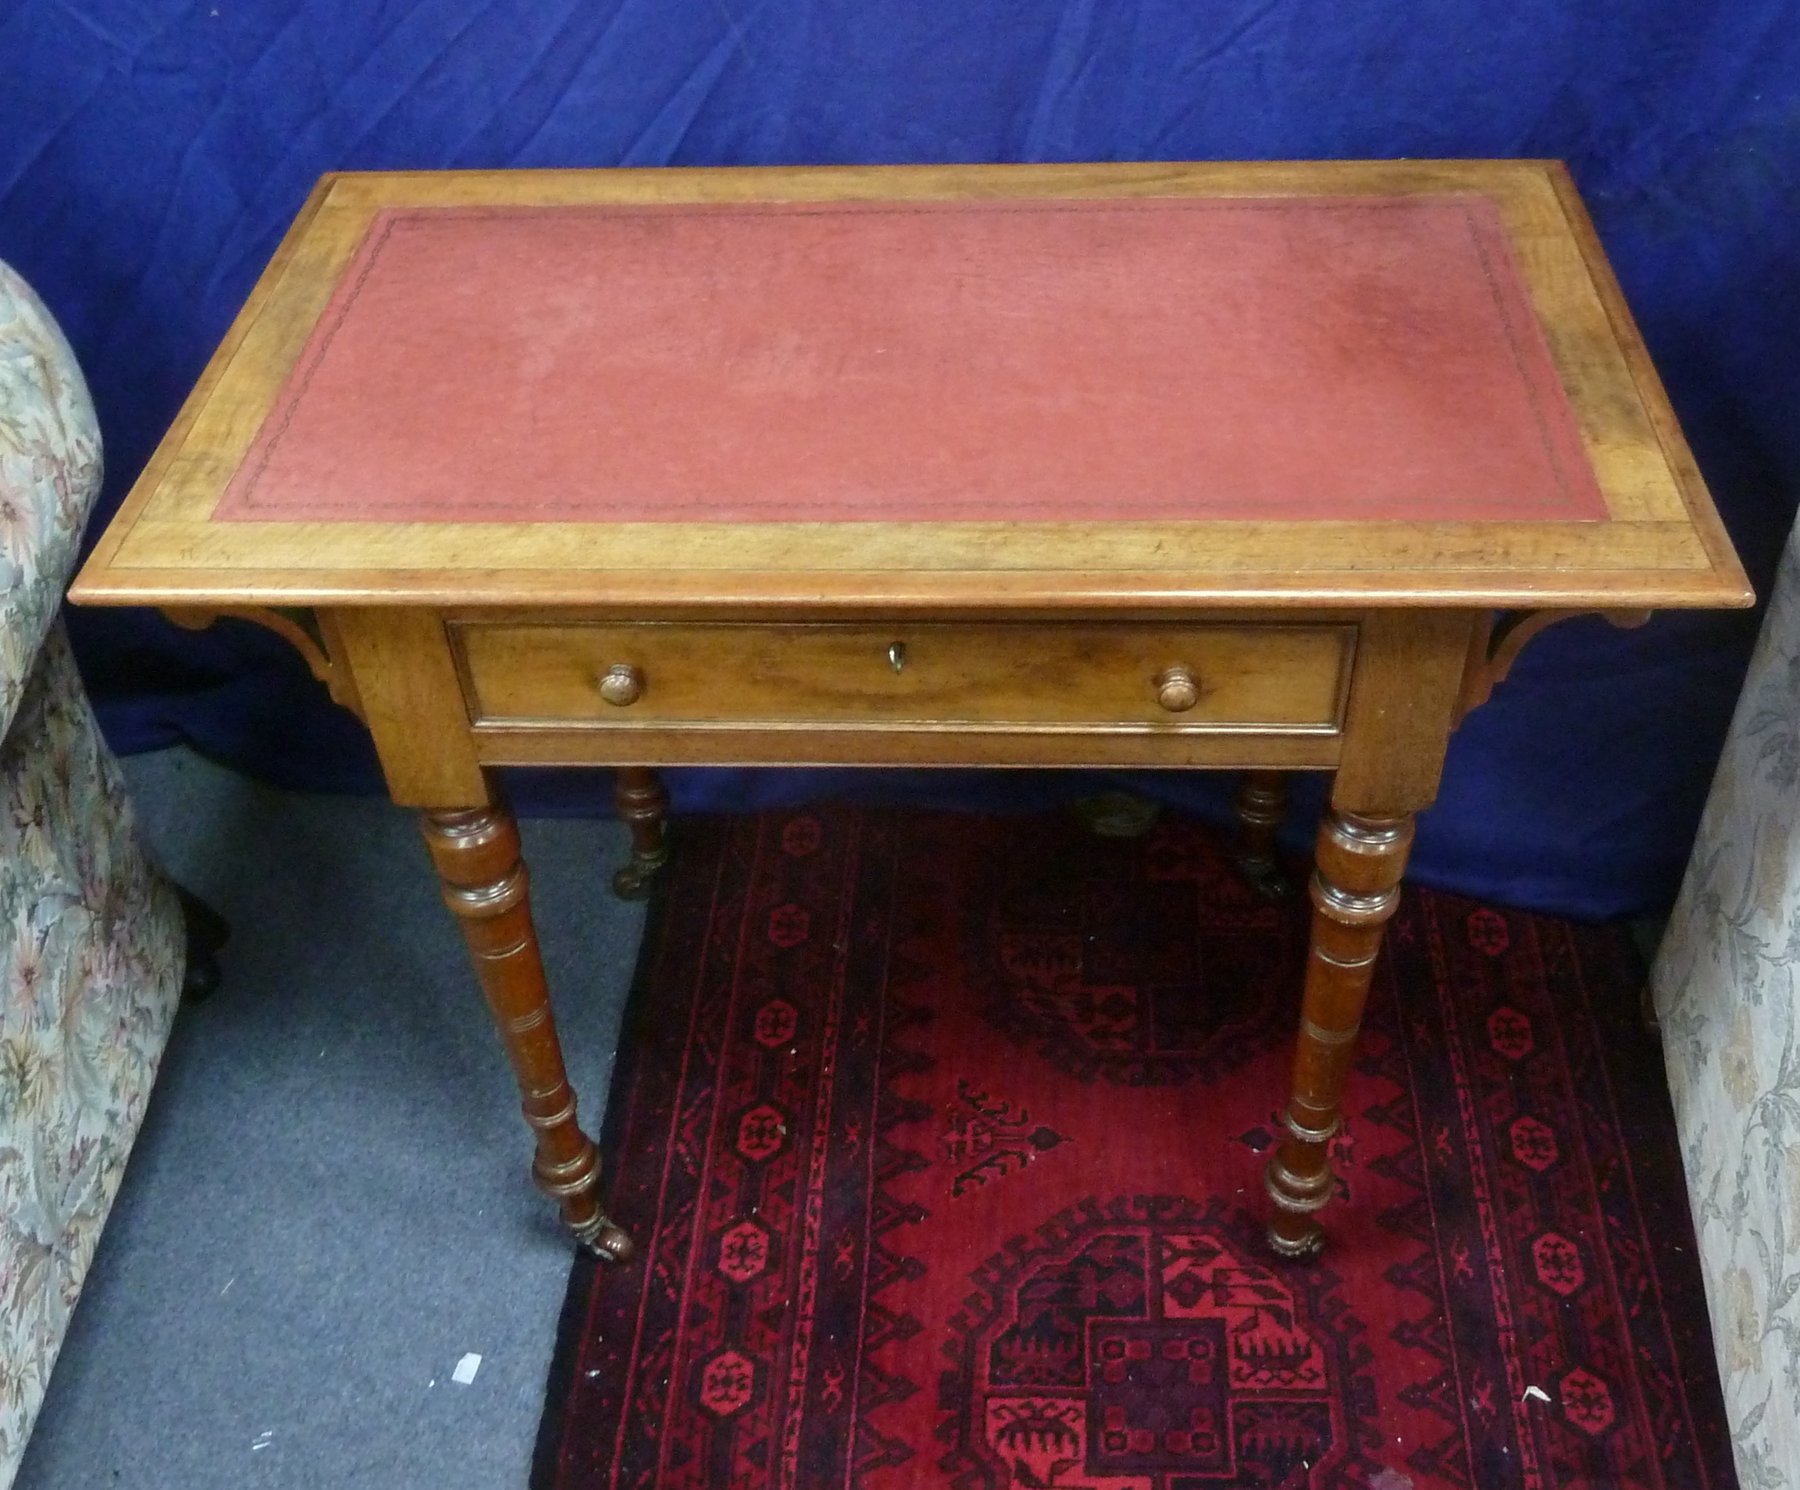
[[643, 805], [476, 851], [1262, 802], [207, 933], [1354, 892]]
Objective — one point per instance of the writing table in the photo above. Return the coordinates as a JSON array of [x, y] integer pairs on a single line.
[[1261, 467]]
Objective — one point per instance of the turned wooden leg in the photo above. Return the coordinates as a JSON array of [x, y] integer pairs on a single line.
[[643, 806], [1354, 892], [1262, 802], [476, 852]]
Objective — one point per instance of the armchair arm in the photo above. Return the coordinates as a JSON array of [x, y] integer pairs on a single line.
[[49, 477]]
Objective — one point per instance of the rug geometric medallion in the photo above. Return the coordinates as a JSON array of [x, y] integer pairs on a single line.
[[942, 1136]]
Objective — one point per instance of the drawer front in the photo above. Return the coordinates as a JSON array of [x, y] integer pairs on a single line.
[[1210, 677]]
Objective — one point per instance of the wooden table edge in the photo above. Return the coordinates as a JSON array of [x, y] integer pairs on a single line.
[[1653, 398], [850, 182], [957, 593]]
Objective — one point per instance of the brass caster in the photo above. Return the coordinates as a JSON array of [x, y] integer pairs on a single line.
[[638, 878], [1309, 1243], [606, 1241], [1265, 877]]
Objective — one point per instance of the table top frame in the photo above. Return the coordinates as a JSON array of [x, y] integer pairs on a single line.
[[1662, 544]]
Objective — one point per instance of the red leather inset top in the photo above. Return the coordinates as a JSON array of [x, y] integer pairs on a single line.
[[1265, 358]]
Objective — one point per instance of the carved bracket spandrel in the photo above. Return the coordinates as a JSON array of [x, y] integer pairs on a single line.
[[1502, 635], [310, 633]]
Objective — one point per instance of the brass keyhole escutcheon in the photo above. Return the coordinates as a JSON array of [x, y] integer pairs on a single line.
[[1177, 689], [621, 684], [896, 655]]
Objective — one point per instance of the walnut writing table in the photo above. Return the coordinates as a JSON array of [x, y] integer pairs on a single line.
[[1224, 466]]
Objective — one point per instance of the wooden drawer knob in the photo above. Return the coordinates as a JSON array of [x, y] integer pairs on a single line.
[[1176, 689], [621, 684]]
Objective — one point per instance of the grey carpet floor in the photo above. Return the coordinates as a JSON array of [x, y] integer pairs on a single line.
[[329, 1204]]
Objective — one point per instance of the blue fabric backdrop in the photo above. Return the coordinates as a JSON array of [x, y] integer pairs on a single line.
[[151, 153]]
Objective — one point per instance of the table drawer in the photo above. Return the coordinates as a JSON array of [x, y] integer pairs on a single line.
[[1051, 675]]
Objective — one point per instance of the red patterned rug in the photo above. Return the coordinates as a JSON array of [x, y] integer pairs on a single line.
[[942, 1138]]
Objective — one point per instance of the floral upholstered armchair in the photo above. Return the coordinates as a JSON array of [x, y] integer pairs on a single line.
[[1727, 987], [91, 937]]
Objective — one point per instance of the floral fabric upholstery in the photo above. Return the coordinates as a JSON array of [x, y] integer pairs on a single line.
[[90, 936], [49, 472], [1727, 985]]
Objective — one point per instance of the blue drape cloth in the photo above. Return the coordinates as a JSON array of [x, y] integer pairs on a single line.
[[151, 152]]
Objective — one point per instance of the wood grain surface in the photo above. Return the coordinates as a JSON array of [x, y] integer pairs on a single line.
[[1273, 677]]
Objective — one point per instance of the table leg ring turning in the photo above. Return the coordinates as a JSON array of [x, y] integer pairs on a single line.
[[485, 884], [643, 806], [1354, 892]]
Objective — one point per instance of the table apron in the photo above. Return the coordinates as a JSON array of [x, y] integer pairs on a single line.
[[448, 697], [903, 745]]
